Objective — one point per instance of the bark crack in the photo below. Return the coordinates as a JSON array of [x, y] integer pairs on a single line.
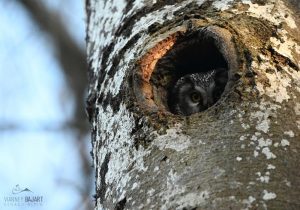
[[103, 171]]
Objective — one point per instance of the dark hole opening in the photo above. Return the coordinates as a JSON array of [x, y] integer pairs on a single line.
[[198, 53]]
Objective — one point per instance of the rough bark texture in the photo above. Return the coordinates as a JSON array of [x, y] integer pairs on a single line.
[[241, 153]]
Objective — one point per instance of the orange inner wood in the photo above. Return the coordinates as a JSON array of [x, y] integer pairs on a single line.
[[149, 60]]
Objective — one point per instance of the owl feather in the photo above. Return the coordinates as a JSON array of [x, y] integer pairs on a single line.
[[195, 92]]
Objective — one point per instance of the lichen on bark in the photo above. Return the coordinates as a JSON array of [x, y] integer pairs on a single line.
[[241, 153]]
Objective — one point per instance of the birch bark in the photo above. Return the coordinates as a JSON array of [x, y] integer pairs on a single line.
[[241, 153]]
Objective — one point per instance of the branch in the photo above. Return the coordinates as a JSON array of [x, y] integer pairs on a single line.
[[70, 56]]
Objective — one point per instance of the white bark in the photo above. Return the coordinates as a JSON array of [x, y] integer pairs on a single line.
[[242, 153]]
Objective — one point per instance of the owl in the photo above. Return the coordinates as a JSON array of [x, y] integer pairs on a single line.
[[196, 92]]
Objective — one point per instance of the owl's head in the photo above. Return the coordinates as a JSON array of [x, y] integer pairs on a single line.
[[194, 93]]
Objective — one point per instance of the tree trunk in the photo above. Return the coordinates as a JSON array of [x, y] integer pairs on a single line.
[[240, 153]]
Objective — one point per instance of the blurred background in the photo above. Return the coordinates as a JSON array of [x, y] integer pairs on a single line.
[[44, 133]]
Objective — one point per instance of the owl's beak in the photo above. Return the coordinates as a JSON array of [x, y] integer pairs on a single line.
[[207, 103], [210, 102]]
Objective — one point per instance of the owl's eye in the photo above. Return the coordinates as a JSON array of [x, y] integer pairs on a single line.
[[195, 97]]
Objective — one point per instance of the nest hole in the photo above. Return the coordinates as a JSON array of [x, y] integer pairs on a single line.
[[206, 53]]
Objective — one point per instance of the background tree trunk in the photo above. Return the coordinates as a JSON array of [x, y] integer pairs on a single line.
[[241, 153]]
